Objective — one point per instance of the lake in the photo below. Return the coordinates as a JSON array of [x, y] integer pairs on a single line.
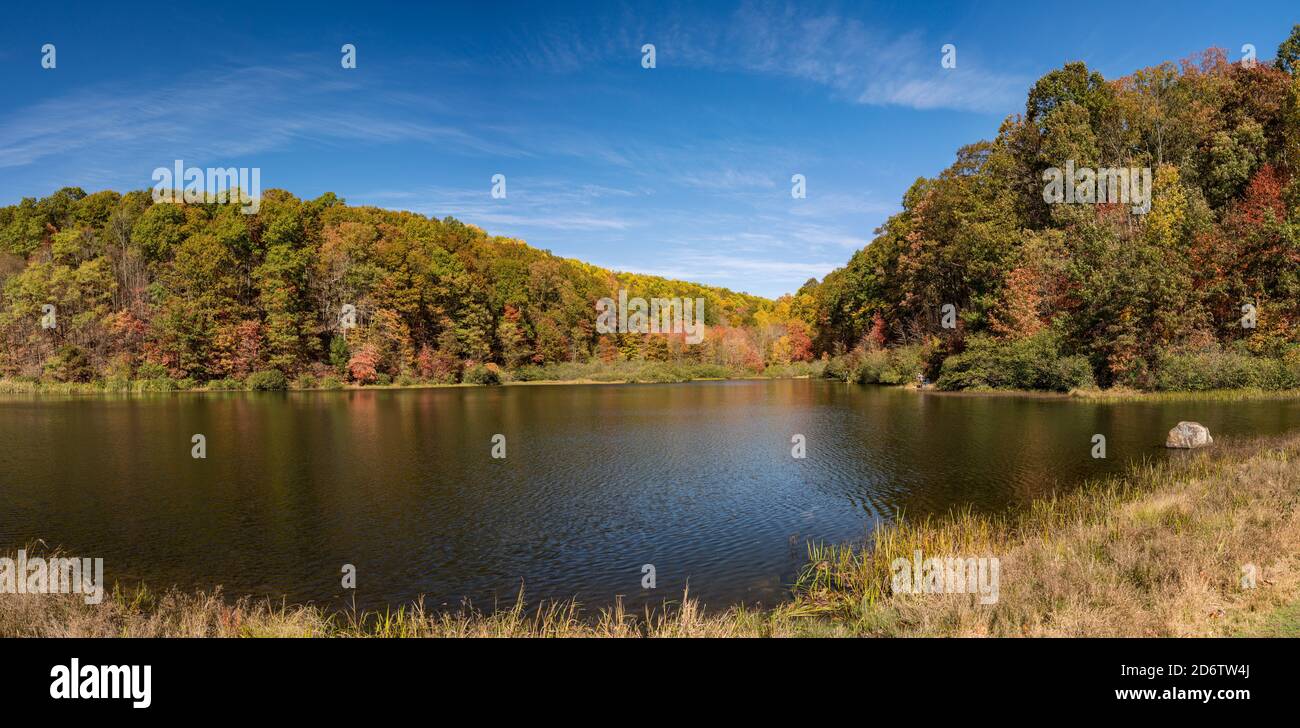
[[696, 479]]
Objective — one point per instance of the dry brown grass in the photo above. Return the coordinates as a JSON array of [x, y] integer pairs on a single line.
[[1123, 394], [1157, 552], [176, 614]]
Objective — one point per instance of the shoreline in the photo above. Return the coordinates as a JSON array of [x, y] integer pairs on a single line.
[[1116, 395], [91, 389], [1159, 550], [1128, 395]]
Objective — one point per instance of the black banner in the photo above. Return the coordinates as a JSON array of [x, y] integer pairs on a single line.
[[967, 677]]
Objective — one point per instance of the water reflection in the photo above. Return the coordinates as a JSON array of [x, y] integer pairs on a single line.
[[696, 479]]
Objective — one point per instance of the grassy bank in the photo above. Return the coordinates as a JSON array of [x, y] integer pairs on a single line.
[[1157, 552], [619, 372], [883, 372], [1120, 394], [1039, 363]]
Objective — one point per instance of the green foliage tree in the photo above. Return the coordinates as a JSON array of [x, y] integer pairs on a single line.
[[1288, 53]]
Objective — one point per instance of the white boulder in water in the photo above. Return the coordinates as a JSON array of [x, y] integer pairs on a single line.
[[1187, 435]]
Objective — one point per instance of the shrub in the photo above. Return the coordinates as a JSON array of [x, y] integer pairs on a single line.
[[330, 383], [70, 364], [437, 366], [339, 354], [117, 384], [268, 380], [305, 381], [715, 371], [1034, 362], [661, 372], [1075, 372], [150, 370], [815, 368], [530, 373], [877, 366], [905, 363], [483, 374], [155, 384], [1214, 369], [119, 368], [839, 367], [868, 366], [225, 384]]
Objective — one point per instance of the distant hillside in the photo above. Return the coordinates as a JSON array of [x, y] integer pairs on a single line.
[[204, 292]]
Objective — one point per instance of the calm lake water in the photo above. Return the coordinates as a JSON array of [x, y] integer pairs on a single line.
[[696, 479]]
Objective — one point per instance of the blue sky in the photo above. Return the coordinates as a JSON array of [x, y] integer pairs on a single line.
[[682, 170]]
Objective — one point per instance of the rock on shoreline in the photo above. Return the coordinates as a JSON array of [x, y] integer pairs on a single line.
[[1187, 435]]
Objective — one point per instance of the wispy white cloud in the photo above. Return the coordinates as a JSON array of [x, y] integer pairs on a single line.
[[727, 179], [733, 271], [203, 115], [552, 222], [530, 204], [856, 61], [861, 63]]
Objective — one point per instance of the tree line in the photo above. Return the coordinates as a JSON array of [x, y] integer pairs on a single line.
[[1202, 290], [202, 292]]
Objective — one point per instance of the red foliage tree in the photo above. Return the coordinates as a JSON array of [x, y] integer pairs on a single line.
[[363, 367], [606, 349], [800, 343], [877, 336]]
